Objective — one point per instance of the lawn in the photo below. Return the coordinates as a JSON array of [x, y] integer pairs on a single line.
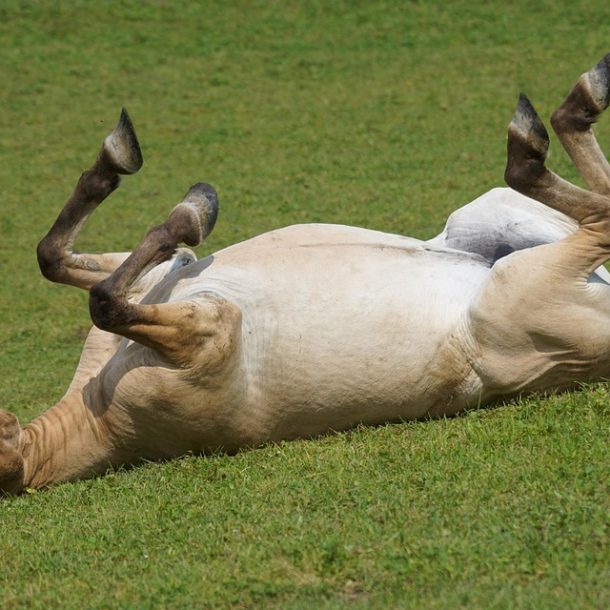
[[380, 114]]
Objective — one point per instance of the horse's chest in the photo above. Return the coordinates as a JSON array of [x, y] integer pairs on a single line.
[[165, 409]]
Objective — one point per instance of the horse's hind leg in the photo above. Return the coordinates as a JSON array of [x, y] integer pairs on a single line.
[[501, 222], [526, 172], [538, 322], [120, 154], [572, 123], [589, 246]]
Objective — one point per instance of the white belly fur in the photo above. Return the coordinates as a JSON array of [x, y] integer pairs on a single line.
[[340, 325]]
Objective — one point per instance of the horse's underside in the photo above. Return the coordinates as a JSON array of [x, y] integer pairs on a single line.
[[314, 328]]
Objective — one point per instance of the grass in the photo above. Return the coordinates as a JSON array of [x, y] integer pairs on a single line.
[[383, 114]]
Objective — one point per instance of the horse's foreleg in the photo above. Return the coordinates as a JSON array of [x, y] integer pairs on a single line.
[[173, 329], [120, 154]]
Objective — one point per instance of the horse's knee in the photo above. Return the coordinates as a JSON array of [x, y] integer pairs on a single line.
[[107, 311]]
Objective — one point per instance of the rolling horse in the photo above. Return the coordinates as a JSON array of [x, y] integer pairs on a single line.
[[315, 327]]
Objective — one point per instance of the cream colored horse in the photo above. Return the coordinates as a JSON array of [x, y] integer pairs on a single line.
[[314, 328]]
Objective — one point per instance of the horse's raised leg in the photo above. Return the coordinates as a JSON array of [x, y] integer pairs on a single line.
[[572, 123], [180, 330], [538, 321], [120, 154], [527, 173]]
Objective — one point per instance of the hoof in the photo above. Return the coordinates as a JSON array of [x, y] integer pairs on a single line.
[[527, 126], [196, 214], [598, 82], [123, 148], [527, 146]]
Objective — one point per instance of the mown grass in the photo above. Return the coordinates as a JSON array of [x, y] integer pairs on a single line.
[[383, 114]]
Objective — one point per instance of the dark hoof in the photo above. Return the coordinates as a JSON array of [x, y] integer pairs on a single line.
[[599, 83], [196, 214], [527, 146], [123, 148], [527, 126]]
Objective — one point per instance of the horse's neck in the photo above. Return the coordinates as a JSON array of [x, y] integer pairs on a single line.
[[66, 442]]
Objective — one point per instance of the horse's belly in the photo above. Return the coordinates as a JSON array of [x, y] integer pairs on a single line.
[[339, 326], [330, 343]]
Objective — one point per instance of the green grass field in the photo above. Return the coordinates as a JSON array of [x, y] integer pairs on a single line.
[[383, 114]]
